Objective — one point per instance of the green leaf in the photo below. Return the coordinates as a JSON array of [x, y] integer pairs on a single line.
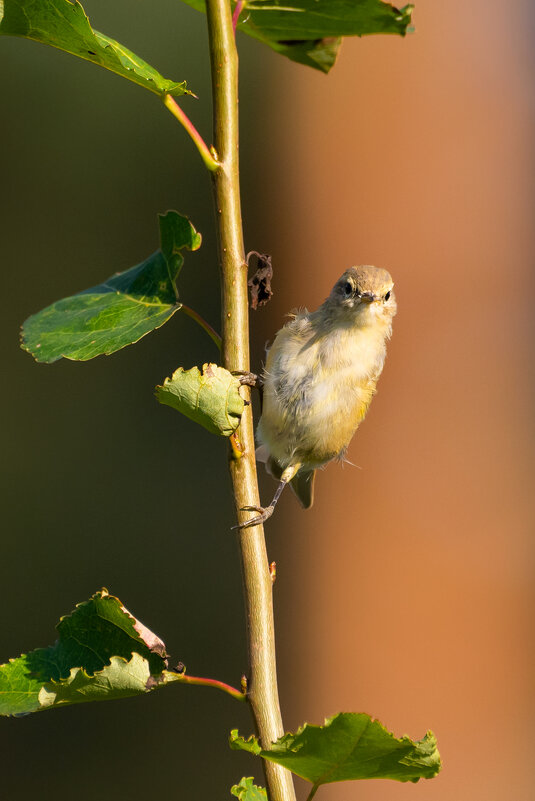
[[315, 19], [64, 25], [349, 746], [176, 233], [107, 317], [247, 791], [211, 398], [102, 653], [320, 54], [309, 31]]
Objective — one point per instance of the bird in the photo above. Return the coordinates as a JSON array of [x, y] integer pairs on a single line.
[[320, 376]]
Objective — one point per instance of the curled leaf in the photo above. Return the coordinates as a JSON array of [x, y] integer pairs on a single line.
[[211, 397], [102, 652], [260, 283], [247, 791]]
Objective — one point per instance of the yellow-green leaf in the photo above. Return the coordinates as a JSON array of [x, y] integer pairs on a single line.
[[246, 790], [211, 398]]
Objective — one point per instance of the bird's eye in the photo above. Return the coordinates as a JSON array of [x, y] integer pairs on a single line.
[[387, 296], [348, 289]]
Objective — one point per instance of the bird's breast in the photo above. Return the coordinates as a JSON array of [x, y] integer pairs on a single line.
[[316, 393]]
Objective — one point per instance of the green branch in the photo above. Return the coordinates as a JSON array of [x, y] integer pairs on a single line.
[[262, 679]]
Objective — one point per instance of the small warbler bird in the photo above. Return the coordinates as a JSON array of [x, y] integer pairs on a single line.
[[320, 376]]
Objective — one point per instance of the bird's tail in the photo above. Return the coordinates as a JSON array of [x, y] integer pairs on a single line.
[[302, 483], [303, 486]]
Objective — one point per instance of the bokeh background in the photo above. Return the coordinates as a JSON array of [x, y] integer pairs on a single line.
[[407, 591]]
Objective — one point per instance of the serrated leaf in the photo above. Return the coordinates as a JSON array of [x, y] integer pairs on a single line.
[[211, 398], [349, 746], [64, 25], [247, 791], [126, 307], [309, 31], [102, 653]]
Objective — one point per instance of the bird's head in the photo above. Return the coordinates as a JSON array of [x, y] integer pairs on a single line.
[[364, 294]]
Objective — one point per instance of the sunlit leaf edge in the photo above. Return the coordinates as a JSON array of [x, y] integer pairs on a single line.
[[178, 390], [118, 677], [86, 43], [425, 762], [246, 790]]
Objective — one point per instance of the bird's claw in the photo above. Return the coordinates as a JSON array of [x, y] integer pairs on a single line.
[[265, 514], [247, 378]]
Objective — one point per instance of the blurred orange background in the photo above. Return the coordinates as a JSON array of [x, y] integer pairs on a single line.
[[407, 591]]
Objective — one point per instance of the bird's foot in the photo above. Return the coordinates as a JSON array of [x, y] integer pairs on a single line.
[[265, 514], [247, 378]]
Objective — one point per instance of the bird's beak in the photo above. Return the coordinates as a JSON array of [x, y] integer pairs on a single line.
[[368, 297]]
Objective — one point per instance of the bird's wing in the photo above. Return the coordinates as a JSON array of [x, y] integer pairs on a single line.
[[262, 454]]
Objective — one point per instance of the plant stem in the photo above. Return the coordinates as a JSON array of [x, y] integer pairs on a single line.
[[220, 685], [313, 792], [262, 684], [212, 333], [206, 155]]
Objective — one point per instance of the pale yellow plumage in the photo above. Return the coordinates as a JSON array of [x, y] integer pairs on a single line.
[[320, 376]]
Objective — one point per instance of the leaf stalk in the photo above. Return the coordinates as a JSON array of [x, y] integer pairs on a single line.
[[207, 154], [313, 792], [220, 685], [212, 333], [237, 11]]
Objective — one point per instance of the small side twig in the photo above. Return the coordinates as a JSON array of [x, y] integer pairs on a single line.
[[207, 153], [239, 695], [237, 11]]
